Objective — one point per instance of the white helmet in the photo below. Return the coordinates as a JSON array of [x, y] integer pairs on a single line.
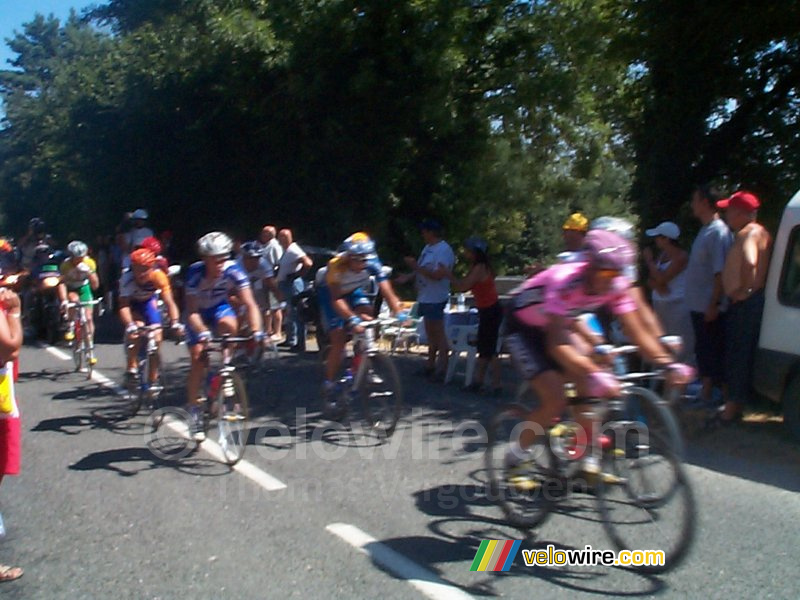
[[622, 227], [140, 213], [215, 243], [78, 249]]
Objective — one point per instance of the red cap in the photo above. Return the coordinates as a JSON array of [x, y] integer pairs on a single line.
[[744, 200]]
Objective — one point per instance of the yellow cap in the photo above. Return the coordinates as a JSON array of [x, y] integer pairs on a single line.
[[576, 222]]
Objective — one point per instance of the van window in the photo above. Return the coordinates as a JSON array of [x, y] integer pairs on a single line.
[[789, 287]]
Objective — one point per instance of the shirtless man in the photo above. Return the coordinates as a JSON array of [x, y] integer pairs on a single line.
[[743, 279]]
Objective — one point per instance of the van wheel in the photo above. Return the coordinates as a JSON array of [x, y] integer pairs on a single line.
[[791, 407]]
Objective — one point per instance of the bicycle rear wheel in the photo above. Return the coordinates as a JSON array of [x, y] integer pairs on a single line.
[[77, 348], [232, 410], [649, 505], [523, 496], [381, 394]]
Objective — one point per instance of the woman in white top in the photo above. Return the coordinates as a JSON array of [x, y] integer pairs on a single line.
[[667, 279]]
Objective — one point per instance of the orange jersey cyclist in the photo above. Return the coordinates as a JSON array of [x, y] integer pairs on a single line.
[[139, 289], [342, 301]]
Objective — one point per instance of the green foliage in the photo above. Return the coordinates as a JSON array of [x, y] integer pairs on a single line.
[[499, 117]]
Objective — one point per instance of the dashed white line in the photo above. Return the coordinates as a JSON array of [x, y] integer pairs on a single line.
[[243, 467], [418, 577]]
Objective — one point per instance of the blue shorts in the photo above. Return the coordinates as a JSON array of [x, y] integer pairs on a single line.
[[210, 316], [147, 310], [432, 311], [330, 318]]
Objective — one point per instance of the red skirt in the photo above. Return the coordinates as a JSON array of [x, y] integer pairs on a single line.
[[10, 446]]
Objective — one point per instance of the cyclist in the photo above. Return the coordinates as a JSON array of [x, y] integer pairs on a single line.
[[209, 283], [539, 325], [152, 244], [343, 303], [139, 289], [78, 280]]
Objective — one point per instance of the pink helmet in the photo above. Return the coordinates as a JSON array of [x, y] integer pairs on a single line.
[[607, 250]]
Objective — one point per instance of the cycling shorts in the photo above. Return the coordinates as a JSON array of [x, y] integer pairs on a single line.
[[210, 316], [528, 348], [330, 318], [146, 311]]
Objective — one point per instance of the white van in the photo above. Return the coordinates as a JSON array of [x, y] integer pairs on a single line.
[[777, 365]]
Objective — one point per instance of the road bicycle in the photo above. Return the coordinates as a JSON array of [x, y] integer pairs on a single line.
[[82, 344], [369, 376], [643, 494], [142, 389]]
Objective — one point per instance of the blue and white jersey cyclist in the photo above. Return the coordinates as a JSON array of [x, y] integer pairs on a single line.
[[209, 285], [342, 300]]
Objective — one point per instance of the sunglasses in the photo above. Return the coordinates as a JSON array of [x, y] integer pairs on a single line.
[[608, 273]]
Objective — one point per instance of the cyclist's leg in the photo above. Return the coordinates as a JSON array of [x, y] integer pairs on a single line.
[[151, 315], [334, 325], [198, 359]]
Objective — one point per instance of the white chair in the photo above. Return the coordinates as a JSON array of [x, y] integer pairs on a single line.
[[462, 338]]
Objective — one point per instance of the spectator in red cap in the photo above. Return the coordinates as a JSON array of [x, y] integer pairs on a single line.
[[743, 279]]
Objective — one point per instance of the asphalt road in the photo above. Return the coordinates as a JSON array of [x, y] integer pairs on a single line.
[[96, 514]]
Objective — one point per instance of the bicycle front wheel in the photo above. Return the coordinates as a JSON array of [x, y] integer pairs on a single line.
[[232, 410], [648, 504], [381, 394], [77, 350], [645, 413], [88, 354]]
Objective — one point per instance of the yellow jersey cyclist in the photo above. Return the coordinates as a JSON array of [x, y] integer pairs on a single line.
[[139, 290], [209, 284], [343, 304], [541, 347], [78, 280]]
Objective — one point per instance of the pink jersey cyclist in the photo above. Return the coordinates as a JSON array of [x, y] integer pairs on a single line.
[[561, 291]]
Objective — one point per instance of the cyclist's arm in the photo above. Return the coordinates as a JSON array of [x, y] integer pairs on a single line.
[[172, 308], [253, 312], [387, 291], [125, 314], [649, 345], [62, 291], [560, 348], [193, 318]]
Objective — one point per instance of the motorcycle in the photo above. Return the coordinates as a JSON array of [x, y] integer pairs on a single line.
[[45, 316]]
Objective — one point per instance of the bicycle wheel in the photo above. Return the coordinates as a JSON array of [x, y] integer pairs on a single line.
[[644, 412], [651, 506], [524, 497], [158, 396], [87, 356], [77, 349], [381, 394], [232, 410]]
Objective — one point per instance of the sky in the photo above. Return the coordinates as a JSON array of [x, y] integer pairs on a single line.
[[13, 13]]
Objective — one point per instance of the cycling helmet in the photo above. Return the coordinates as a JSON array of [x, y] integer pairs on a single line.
[[252, 249], [139, 214], [143, 257], [621, 227], [151, 244], [608, 250], [215, 243], [77, 249], [476, 244], [359, 244]]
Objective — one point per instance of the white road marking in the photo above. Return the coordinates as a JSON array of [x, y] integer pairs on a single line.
[[243, 467], [418, 577]]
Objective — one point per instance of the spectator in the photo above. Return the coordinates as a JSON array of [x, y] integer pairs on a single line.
[[273, 323], [743, 278], [10, 428], [138, 232], [705, 298], [667, 280], [574, 230], [432, 272], [294, 263], [480, 281]]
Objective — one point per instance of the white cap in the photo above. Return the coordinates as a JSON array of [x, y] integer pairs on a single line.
[[667, 229], [140, 213]]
